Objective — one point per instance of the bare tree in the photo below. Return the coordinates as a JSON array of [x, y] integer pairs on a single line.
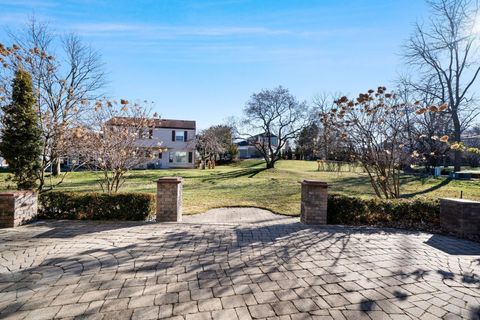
[[443, 53], [272, 118], [423, 128], [66, 94], [65, 85], [330, 146], [211, 142], [113, 143]]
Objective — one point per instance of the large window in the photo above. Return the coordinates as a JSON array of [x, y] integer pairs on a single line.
[[181, 157]]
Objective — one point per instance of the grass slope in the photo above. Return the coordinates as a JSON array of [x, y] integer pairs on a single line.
[[248, 184]]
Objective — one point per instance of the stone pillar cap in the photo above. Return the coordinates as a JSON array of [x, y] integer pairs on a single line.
[[314, 182], [16, 192], [459, 200], [170, 180]]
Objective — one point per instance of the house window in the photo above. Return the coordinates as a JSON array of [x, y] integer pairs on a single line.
[[190, 157], [181, 157], [140, 134], [160, 155], [150, 134], [170, 157], [179, 136]]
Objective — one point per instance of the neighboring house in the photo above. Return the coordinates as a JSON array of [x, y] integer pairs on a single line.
[[247, 149], [3, 163], [176, 139], [472, 140]]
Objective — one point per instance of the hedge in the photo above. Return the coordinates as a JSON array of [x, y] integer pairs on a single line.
[[97, 206], [420, 214]]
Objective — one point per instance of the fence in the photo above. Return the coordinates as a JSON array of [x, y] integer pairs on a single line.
[[339, 166]]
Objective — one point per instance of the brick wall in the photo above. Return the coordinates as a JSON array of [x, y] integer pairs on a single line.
[[314, 202], [17, 208], [460, 216], [169, 199]]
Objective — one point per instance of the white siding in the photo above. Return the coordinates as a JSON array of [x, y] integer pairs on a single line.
[[163, 137]]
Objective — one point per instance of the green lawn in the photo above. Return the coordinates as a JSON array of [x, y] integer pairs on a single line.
[[248, 184]]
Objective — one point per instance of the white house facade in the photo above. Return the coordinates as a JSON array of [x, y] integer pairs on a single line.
[[175, 139], [247, 149]]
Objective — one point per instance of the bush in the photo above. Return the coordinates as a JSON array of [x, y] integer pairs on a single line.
[[418, 214], [97, 206]]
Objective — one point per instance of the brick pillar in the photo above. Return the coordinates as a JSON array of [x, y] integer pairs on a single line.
[[169, 199], [461, 216], [314, 202], [17, 208]]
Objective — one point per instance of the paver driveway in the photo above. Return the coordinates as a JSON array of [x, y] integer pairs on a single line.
[[200, 271]]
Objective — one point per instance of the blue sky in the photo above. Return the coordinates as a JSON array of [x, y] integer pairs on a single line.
[[202, 60]]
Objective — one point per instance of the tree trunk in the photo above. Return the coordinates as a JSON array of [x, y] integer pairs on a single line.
[[270, 164], [56, 169], [457, 159]]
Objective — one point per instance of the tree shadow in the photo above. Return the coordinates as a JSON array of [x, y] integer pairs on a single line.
[[428, 190], [74, 228], [353, 184], [248, 172], [367, 305], [475, 313], [450, 245], [219, 257], [446, 275], [400, 295]]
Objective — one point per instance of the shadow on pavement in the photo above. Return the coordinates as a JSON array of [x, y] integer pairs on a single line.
[[450, 245]]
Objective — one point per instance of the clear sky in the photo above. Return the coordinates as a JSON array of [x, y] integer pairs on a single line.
[[201, 60]]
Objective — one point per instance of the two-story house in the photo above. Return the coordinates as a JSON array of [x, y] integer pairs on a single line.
[[176, 139], [247, 149]]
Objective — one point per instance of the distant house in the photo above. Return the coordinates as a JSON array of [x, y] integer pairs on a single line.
[[3, 163], [472, 140], [176, 139], [247, 148]]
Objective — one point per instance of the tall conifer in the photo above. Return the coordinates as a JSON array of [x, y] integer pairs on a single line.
[[20, 143]]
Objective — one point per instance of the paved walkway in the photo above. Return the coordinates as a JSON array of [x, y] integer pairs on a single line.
[[199, 271], [238, 215]]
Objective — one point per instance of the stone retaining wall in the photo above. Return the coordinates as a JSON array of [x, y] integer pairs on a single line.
[[461, 217], [17, 208]]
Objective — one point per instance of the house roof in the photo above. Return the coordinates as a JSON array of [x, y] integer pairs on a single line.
[[251, 140], [157, 123], [264, 135], [242, 143]]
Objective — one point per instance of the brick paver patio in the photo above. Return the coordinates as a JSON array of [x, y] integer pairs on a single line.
[[280, 270]]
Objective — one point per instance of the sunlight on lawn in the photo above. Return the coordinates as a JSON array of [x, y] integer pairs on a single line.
[[248, 184]]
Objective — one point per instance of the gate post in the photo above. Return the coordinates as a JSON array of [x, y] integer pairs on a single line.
[[314, 202], [460, 216], [169, 199], [17, 208]]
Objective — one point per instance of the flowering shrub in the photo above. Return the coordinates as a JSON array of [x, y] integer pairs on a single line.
[[378, 134], [373, 127]]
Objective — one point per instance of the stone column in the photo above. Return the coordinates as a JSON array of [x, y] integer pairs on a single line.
[[17, 208], [460, 216], [169, 199], [314, 202]]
